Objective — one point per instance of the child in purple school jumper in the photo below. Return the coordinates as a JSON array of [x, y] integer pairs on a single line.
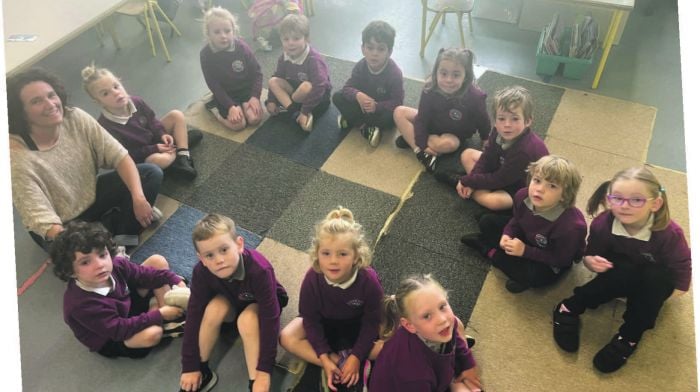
[[638, 253], [546, 234], [426, 352], [375, 87], [451, 109], [230, 283], [165, 142], [113, 306], [301, 85], [231, 71], [494, 175], [339, 304]]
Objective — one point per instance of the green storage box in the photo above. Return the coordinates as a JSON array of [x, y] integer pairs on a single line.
[[548, 64]]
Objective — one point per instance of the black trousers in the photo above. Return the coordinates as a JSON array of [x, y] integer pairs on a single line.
[[525, 271], [646, 287], [491, 226], [354, 116]]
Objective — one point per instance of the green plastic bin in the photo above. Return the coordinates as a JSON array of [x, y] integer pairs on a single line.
[[548, 64]]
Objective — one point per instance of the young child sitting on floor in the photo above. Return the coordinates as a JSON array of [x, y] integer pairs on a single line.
[[339, 304], [113, 306], [427, 351], [495, 175], [165, 142], [230, 283], [231, 71], [546, 234], [301, 85], [375, 87]]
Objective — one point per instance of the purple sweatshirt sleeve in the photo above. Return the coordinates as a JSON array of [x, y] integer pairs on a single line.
[[146, 277], [420, 123], [311, 315], [371, 316], [318, 76], [678, 253], [138, 151], [268, 316], [350, 89], [396, 92], [154, 123], [95, 316]]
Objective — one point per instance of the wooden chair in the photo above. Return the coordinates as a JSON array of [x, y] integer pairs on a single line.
[[146, 11], [441, 8]]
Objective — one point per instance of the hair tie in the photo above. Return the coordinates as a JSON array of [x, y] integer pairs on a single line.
[[393, 297], [662, 189]]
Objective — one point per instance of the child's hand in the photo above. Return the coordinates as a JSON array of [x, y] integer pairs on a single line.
[[272, 108], [168, 140], [190, 381], [470, 378], [262, 382], [464, 192], [331, 370], [351, 371], [235, 114], [504, 238], [367, 104], [165, 148], [255, 105], [514, 247], [170, 312], [597, 263]]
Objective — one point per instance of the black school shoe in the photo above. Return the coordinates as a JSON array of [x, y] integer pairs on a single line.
[[209, 379], [515, 287], [567, 327], [401, 142], [614, 354], [448, 177], [183, 167], [194, 136]]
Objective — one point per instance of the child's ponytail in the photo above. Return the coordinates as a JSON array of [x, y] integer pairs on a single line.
[[91, 74], [597, 198], [390, 317]]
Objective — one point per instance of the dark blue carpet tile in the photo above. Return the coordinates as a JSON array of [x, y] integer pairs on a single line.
[[174, 241], [282, 135], [323, 193], [253, 187], [435, 218], [546, 97], [207, 156], [395, 259]]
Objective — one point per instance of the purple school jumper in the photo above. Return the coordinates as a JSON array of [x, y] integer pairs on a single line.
[[314, 70], [141, 134], [231, 73], [556, 243], [259, 285], [505, 169], [460, 115], [386, 87], [96, 319], [407, 364], [666, 246], [363, 299]]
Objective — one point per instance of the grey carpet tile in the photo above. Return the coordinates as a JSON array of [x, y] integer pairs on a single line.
[[173, 240], [282, 135], [323, 193], [396, 259], [435, 218], [253, 187], [546, 97], [211, 152]]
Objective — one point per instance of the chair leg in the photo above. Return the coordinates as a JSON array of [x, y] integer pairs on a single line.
[[167, 20], [109, 24], [148, 29], [433, 24], [160, 33], [471, 29], [99, 29], [461, 28], [423, 42]]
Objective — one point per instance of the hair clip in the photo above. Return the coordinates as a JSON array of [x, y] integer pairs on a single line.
[[662, 189]]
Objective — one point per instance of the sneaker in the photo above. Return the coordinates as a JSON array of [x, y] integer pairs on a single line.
[[156, 214], [309, 123], [448, 177], [194, 136], [567, 327], [209, 379], [401, 143], [429, 161], [184, 167], [470, 341], [343, 123], [372, 134], [175, 328], [264, 44], [515, 287], [614, 354], [177, 296]]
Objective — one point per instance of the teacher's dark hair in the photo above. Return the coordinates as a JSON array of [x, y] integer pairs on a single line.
[[16, 116]]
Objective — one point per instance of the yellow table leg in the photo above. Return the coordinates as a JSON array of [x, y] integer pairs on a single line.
[[609, 38]]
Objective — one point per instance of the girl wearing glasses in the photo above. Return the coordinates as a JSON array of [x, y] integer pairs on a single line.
[[638, 252]]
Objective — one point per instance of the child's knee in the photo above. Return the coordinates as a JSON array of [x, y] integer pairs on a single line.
[[148, 337], [216, 311], [157, 262], [247, 321], [176, 115]]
